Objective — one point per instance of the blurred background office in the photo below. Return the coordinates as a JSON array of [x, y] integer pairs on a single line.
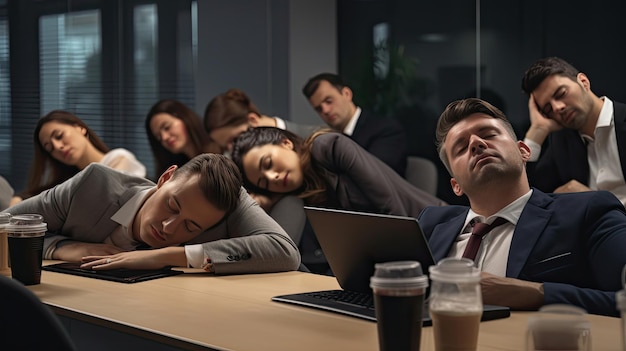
[[110, 60]]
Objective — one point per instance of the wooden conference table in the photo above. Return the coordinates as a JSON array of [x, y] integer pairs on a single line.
[[197, 311]]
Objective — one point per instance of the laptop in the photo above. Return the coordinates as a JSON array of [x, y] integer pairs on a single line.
[[353, 242]]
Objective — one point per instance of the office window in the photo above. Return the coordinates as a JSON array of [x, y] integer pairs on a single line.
[[70, 69], [145, 54], [194, 34], [5, 97], [145, 88]]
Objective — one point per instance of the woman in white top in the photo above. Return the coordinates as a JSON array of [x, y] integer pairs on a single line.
[[64, 145]]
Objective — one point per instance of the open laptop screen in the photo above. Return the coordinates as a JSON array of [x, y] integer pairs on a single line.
[[353, 242]]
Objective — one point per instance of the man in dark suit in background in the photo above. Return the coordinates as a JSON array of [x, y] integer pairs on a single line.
[[382, 137], [578, 140], [552, 248]]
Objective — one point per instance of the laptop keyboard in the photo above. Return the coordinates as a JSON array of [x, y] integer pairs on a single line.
[[361, 305], [358, 299]]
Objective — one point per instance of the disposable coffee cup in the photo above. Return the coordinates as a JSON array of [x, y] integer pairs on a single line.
[[455, 304], [25, 237], [399, 289], [620, 296], [4, 245], [559, 327]]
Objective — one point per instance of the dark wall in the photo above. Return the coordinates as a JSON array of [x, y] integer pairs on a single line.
[[441, 36]]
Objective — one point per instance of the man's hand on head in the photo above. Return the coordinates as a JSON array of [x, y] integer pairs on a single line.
[[514, 293], [540, 125], [573, 186], [74, 251]]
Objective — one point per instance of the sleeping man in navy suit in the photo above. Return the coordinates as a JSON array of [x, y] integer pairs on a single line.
[[554, 248]]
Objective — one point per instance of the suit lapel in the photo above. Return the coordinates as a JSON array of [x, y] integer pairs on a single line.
[[444, 234], [529, 228], [362, 132]]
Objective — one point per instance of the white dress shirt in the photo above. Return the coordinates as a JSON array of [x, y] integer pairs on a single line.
[[493, 253], [605, 170], [280, 123], [349, 129]]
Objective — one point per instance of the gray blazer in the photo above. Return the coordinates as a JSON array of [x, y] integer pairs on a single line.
[[80, 209], [6, 193]]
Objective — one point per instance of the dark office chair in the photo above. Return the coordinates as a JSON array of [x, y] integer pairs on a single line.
[[26, 323]]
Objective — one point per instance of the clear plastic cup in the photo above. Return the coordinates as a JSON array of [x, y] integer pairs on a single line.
[[620, 297], [455, 304], [559, 327], [4, 245]]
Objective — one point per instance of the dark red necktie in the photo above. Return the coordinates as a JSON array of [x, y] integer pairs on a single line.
[[479, 230]]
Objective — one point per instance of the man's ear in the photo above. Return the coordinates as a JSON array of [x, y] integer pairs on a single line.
[[456, 188], [166, 176], [347, 92], [524, 150], [254, 119], [584, 80], [286, 143]]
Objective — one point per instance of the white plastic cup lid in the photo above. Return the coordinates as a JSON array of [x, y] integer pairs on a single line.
[[4, 219], [455, 270], [24, 224], [620, 297], [559, 317], [399, 275]]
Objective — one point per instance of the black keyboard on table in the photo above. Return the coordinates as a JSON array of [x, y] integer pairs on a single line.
[[361, 305]]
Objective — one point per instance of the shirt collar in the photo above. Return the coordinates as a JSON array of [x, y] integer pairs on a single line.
[[606, 114], [605, 119], [510, 212], [280, 123], [349, 129], [126, 214]]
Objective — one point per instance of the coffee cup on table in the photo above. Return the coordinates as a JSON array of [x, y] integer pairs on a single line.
[[558, 327], [399, 289], [25, 234], [4, 245], [620, 298], [455, 304]]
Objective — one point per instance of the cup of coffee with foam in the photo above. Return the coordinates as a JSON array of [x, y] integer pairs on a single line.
[[455, 304]]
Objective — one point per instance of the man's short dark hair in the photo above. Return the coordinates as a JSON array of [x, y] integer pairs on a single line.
[[220, 179], [544, 68], [457, 111], [312, 84]]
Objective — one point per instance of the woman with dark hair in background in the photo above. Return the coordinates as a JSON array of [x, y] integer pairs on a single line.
[[175, 134], [231, 113], [327, 169], [64, 145]]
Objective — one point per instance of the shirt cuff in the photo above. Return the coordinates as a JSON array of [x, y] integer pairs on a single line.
[[535, 149], [280, 123], [195, 255]]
